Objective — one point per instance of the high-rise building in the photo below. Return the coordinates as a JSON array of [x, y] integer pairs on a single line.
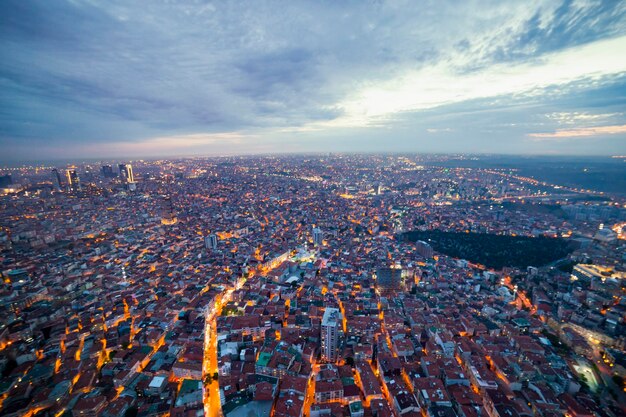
[[126, 173], [107, 171], [210, 241], [73, 182], [318, 237], [130, 177], [389, 278], [168, 216], [331, 331], [56, 180], [122, 168], [424, 249]]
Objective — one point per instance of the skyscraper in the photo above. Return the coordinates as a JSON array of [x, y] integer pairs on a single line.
[[318, 237], [331, 328], [73, 182], [210, 241], [168, 217], [126, 173], [107, 171], [130, 177], [56, 180], [424, 249], [389, 278]]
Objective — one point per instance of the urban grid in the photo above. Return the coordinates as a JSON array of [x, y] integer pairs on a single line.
[[313, 285]]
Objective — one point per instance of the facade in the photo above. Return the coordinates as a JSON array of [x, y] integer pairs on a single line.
[[318, 237], [389, 278], [168, 216], [73, 182], [210, 241], [424, 249], [331, 328], [126, 173], [107, 171], [56, 180]]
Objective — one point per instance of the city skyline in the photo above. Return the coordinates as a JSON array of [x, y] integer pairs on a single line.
[[143, 81]]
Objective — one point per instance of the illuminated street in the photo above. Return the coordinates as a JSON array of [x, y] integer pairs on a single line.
[[212, 405]]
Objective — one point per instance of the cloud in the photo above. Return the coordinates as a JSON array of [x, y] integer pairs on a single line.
[[85, 75], [571, 118], [439, 130], [580, 132], [439, 85]]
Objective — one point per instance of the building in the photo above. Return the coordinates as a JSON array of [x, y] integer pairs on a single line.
[[389, 278], [126, 173], [331, 328], [597, 272], [605, 235], [318, 237], [73, 181], [424, 249], [210, 241], [56, 180], [107, 171], [168, 216]]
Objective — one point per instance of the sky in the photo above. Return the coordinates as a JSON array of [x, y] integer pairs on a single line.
[[89, 79]]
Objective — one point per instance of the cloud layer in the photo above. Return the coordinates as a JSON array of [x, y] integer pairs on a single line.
[[116, 78]]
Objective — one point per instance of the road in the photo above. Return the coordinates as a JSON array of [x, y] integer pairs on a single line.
[[212, 404], [309, 396], [211, 392], [606, 374]]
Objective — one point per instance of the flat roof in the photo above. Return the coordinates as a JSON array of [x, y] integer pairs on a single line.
[[331, 317], [157, 381], [264, 359]]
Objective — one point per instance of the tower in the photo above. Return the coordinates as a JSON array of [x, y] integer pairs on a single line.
[[107, 171], [130, 177], [73, 182], [126, 173], [56, 180], [168, 217], [331, 328], [318, 237], [389, 278], [210, 241]]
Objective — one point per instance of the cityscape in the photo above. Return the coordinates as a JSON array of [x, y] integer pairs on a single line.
[[312, 208], [313, 285]]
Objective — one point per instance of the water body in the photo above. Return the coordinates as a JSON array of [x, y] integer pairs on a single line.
[[604, 173]]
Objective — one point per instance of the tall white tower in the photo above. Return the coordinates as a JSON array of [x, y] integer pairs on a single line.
[[331, 329]]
